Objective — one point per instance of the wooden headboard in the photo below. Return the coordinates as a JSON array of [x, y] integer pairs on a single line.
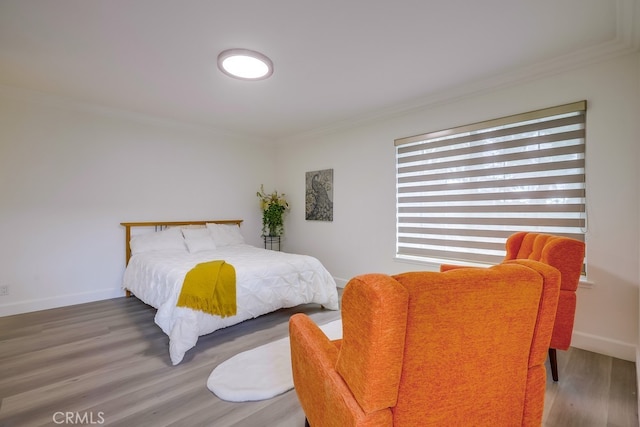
[[161, 225]]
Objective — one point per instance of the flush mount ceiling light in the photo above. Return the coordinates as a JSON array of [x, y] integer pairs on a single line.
[[245, 64]]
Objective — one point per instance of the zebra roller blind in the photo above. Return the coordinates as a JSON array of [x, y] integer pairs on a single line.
[[461, 192]]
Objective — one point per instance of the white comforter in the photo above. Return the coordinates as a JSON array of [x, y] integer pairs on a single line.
[[265, 281]]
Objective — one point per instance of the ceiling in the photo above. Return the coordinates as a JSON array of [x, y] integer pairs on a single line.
[[336, 62]]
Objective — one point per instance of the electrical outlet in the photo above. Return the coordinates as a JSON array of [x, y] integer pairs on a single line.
[[4, 290]]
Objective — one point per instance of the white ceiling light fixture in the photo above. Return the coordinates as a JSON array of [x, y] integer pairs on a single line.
[[245, 64]]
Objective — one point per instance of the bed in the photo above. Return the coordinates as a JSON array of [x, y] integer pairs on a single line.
[[160, 254]]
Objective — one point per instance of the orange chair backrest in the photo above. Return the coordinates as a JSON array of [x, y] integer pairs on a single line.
[[450, 348], [563, 253]]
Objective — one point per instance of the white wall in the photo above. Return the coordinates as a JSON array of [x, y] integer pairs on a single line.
[[361, 238], [69, 174], [638, 177]]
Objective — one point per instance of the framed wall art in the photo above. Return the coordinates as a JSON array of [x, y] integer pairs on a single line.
[[319, 195]]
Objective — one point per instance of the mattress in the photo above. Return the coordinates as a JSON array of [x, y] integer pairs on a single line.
[[265, 281]]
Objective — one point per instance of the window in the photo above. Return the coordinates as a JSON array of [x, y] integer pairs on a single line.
[[461, 192]]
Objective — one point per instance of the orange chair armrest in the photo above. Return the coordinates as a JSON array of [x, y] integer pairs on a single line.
[[303, 330], [318, 384], [449, 267]]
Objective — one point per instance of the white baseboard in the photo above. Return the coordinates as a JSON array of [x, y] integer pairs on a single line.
[[607, 346], [58, 301], [341, 283], [638, 372]]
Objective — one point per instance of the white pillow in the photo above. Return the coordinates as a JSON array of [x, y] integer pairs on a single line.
[[165, 240], [198, 239], [225, 234]]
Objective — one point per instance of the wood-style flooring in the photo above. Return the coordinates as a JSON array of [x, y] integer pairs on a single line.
[[107, 363]]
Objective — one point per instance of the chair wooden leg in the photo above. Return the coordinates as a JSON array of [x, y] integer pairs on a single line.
[[553, 361]]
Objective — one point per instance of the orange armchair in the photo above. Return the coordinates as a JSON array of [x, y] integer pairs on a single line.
[[465, 347], [567, 255]]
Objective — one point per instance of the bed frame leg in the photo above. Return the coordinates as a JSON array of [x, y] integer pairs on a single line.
[[128, 293]]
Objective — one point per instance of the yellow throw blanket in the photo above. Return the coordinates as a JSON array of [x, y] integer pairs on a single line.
[[210, 287]]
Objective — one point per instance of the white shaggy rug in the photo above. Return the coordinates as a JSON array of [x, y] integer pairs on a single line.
[[260, 373]]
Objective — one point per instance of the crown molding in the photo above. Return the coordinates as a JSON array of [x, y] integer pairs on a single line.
[[64, 103], [628, 20], [626, 41]]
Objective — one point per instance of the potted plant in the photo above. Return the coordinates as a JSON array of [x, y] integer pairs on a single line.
[[273, 207]]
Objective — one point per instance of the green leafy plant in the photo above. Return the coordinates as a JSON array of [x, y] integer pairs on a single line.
[[273, 206]]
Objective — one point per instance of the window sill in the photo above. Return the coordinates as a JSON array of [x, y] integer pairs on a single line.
[[434, 265], [586, 284]]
